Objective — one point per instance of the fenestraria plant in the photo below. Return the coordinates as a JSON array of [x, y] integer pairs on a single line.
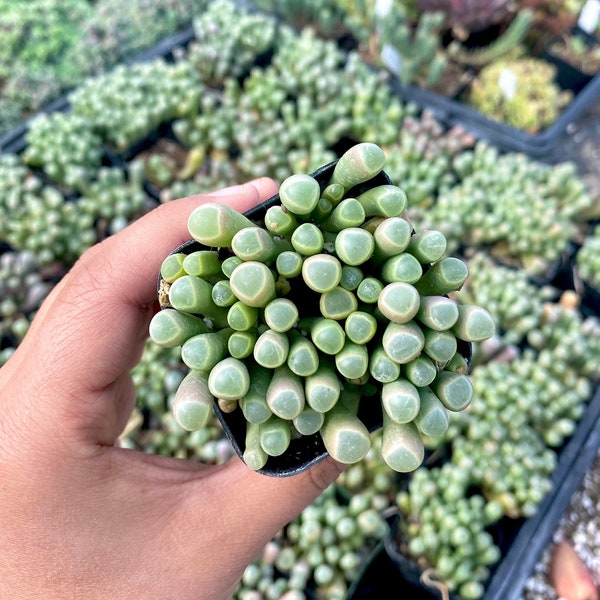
[[319, 320]]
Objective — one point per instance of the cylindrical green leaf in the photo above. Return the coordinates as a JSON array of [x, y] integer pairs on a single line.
[[360, 327], [222, 294], [358, 164], [438, 312], [440, 346], [203, 351], [202, 263], [428, 246], [382, 367], [321, 272], [170, 328], [303, 357], [256, 243], [354, 246], [334, 192], [402, 267], [420, 371], [383, 201], [322, 389], [369, 290], [254, 456], [241, 343], [229, 379], [172, 267], [348, 213], [327, 335], [454, 390], [432, 419], [229, 264], [271, 349], [242, 317], [351, 277], [281, 314], [344, 435], [280, 221], [193, 403], [193, 294], [391, 237], [337, 303], [214, 224], [399, 301], [275, 435], [446, 275], [402, 448], [474, 323], [309, 421], [400, 400], [300, 193], [307, 239], [285, 395], [253, 283], [254, 404], [289, 264], [403, 342], [352, 361]]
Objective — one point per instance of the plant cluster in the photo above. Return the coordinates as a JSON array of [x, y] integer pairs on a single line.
[[512, 205], [48, 47], [588, 258], [324, 547], [228, 42], [65, 147], [446, 530], [130, 102], [22, 289], [332, 296], [520, 92]]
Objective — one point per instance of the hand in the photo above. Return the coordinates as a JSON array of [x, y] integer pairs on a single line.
[[81, 518]]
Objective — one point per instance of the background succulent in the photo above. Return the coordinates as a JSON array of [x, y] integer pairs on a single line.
[[588, 261], [519, 92], [512, 205], [131, 102], [65, 147]]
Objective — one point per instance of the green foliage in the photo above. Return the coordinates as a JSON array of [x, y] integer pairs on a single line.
[[519, 92]]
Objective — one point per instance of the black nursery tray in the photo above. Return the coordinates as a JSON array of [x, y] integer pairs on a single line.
[[522, 541], [542, 145]]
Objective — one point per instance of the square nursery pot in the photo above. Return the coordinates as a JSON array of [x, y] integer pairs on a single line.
[[306, 450], [522, 541]]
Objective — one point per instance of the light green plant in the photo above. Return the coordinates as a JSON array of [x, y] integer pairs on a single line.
[[511, 205], [444, 530], [588, 259], [317, 353], [414, 53], [521, 93], [65, 147], [127, 104], [228, 41]]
